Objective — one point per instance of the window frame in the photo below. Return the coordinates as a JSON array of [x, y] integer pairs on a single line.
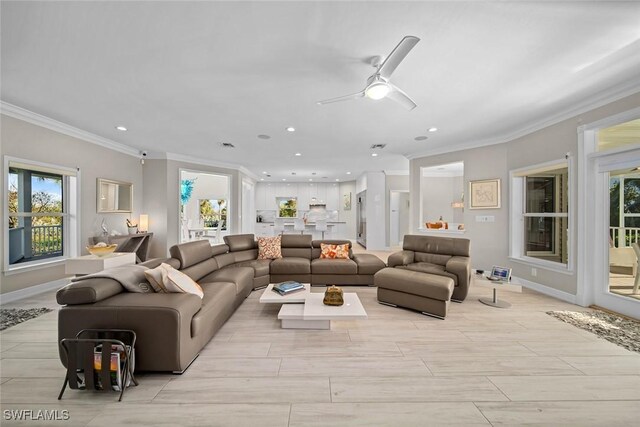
[[518, 214], [70, 215]]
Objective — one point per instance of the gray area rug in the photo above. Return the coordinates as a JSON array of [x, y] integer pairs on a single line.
[[13, 316], [618, 330]]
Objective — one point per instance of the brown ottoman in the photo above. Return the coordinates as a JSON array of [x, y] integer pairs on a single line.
[[428, 293]]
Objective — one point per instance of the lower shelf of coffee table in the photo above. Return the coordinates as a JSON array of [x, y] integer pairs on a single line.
[[313, 314]]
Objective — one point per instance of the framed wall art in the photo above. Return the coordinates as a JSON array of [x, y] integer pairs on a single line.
[[484, 194]]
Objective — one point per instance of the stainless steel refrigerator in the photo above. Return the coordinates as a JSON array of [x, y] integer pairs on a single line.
[[361, 218]]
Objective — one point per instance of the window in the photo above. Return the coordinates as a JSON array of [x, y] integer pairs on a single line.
[[540, 208], [213, 213], [287, 207], [40, 224]]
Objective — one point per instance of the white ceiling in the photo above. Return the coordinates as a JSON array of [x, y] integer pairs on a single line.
[[184, 76]]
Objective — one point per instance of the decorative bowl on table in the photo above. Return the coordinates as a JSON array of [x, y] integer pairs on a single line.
[[102, 249]]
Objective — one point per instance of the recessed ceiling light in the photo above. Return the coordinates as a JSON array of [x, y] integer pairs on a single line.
[[421, 138], [337, 179], [264, 173], [433, 129], [262, 136], [374, 154], [284, 179], [310, 179], [348, 173], [291, 129], [261, 179], [298, 154], [121, 128]]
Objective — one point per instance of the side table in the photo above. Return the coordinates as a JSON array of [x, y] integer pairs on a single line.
[[88, 264], [513, 286]]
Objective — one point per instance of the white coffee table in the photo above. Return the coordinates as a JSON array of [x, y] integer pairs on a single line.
[[313, 314], [88, 264], [271, 297]]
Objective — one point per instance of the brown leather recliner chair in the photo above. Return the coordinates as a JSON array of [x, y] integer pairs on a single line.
[[441, 256]]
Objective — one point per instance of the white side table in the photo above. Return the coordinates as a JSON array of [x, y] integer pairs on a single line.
[[512, 286], [88, 264]]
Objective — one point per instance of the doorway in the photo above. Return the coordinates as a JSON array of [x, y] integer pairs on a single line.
[[398, 217]]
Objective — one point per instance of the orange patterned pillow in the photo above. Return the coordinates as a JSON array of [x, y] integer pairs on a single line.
[[334, 251], [270, 247]]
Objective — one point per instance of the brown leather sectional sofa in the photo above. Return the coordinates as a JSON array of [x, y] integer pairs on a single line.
[[172, 328]]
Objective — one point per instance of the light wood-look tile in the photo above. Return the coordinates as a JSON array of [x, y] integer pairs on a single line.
[[246, 390], [32, 368], [10, 335], [500, 365], [45, 390], [353, 367], [576, 348], [423, 335], [550, 388], [205, 367], [472, 349], [235, 349], [353, 349], [593, 413], [386, 414], [605, 365], [210, 415], [519, 336], [292, 336], [28, 350], [4, 346], [427, 389]]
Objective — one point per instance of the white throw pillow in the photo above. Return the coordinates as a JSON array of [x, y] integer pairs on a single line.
[[177, 281], [154, 276]]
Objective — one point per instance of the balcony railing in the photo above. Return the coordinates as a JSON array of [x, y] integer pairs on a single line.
[[46, 240], [622, 237]]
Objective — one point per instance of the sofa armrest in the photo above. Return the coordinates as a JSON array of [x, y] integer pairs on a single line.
[[88, 291], [400, 258], [461, 267]]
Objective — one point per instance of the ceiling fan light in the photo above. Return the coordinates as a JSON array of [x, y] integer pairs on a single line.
[[377, 90]]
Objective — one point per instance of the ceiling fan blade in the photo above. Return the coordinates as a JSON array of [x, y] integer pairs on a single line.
[[342, 98], [396, 94], [397, 55]]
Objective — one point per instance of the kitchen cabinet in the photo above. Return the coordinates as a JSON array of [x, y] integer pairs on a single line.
[[333, 197]]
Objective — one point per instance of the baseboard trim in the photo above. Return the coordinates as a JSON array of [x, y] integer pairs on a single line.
[[547, 290], [32, 290]]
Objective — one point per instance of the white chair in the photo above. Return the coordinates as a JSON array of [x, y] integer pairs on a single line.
[[298, 225], [636, 281], [321, 225], [278, 226]]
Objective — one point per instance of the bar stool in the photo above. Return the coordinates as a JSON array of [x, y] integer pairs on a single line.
[[321, 225]]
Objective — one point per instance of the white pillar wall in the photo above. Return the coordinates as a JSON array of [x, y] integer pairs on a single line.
[[376, 210]]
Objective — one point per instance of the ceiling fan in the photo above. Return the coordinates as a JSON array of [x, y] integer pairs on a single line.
[[378, 85]]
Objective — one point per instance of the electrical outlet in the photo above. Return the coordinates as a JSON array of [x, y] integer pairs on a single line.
[[534, 272], [485, 218]]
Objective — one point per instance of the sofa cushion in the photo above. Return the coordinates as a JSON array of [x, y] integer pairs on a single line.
[[242, 277], [316, 245], [240, 242], [176, 281], [154, 276], [290, 265], [425, 267], [368, 264], [328, 251], [436, 245], [191, 253], [333, 266], [218, 297], [270, 247], [260, 266]]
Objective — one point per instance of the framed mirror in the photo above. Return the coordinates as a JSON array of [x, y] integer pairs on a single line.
[[114, 196]]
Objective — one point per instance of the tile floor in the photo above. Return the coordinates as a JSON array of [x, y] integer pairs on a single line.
[[480, 366]]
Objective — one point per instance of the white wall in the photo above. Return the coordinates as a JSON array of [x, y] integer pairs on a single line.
[[31, 142], [376, 211], [490, 240], [349, 229]]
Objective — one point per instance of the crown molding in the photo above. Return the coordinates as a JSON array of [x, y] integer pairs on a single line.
[[63, 128], [206, 162], [399, 172], [603, 98]]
